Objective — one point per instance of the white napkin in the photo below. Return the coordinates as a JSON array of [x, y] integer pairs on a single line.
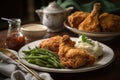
[[14, 71]]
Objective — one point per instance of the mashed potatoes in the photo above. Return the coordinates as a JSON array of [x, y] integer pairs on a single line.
[[93, 47]]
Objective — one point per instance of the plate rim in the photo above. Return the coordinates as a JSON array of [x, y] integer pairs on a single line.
[[84, 69]]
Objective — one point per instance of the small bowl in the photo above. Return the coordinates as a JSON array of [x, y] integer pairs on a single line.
[[34, 31]]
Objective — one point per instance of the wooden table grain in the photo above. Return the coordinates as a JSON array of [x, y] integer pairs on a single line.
[[110, 72]]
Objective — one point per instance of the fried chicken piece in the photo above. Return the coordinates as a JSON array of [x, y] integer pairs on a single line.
[[91, 23], [76, 18], [110, 22], [51, 43], [72, 57]]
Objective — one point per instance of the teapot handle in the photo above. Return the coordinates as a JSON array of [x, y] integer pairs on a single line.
[[40, 14], [69, 9]]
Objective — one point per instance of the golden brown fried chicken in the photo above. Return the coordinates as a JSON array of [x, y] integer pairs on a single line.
[[76, 18], [51, 43], [110, 22], [91, 23], [72, 57]]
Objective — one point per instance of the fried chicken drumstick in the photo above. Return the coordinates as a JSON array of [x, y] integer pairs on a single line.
[[91, 23]]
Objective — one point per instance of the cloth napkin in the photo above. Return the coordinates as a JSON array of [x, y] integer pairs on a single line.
[[14, 71], [107, 5]]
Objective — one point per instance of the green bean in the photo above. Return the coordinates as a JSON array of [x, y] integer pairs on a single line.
[[57, 63], [53, 63], [26, 52], [49, 66], [44, 61], [38, 62], [33, 61], [36, 57], [51, 53], [41, 51], [48, 52]]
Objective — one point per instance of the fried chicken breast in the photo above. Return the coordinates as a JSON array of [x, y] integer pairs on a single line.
[[51, 43], [110, 22], [72, 57], [76, 18]]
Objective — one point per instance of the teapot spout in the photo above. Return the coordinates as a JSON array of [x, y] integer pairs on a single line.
[[40, 14]]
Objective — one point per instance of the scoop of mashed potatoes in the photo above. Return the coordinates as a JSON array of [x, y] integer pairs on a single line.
[[93, 47]]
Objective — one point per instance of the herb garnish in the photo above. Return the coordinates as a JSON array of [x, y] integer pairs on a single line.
[[85, 39]]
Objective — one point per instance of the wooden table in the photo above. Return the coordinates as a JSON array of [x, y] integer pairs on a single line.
[[111, 72]]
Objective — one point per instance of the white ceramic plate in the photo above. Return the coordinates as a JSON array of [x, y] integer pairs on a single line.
[[105, 60], [100, 36]]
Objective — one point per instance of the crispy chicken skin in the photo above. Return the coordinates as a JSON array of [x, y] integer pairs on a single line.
[[110, 22], [51, 43], [91, 23], [76, 18], [72, 57], [94, 22]]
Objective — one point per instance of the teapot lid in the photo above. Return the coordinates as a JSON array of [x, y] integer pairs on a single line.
[[53, 7]]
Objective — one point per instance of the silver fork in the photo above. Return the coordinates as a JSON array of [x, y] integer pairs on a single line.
[[14, 57]]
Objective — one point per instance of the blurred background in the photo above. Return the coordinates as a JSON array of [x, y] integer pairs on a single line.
[[25, 9]]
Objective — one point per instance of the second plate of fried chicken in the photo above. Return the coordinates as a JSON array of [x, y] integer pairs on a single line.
[[98, 26]]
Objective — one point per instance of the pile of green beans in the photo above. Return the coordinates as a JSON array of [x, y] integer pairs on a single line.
[[42, 57]]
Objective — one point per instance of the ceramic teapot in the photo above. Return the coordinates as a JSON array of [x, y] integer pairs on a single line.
[[53, 16]]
